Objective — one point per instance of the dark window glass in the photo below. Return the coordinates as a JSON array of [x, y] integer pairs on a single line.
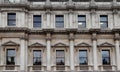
[[105, 57], [60, 57], [83, 57], [81, 21], [59, 21], [103, 0], [37, 21], [103, 21], [11, 19], [37, 0], [118, 0], [37, 57], [81, 0], [59, 0], [10, 60]]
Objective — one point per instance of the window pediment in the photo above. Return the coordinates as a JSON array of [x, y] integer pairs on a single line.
[[106, 44], [60, 45], [10, 43], [36, 45], [82, 45]]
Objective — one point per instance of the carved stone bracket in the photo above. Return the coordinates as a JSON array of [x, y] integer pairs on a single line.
[[117, 36], [94, 36], [71, 36], [25, 37]]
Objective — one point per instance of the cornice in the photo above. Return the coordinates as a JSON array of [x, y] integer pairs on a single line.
[[69, 5], [58, 31], [14, 29]]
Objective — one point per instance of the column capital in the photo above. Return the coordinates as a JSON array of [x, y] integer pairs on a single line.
[[117, 36], [48, 36], [24, 37], [71, 36], [94, 36]]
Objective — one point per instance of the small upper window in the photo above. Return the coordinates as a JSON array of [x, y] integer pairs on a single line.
[[81, 21], [37, 21], [103, 21], [11, 19], [83, 59], [105, 57], [59, 21]]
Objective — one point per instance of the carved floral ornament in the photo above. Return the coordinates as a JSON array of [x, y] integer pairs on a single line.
[[10, 44], [60, 45], [37, 45], [106, 45], [82, 45]]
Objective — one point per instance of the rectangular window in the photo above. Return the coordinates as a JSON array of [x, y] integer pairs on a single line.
[[105, 57], [37, 57], [81, 21], [37, 21], [11, 19], [10, 60], [103, 21], [60, 57], [59, 23], [83, 59]]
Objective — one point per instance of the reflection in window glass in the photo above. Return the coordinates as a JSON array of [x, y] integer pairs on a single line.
[[81, 21], [59, 21], [83, 57], [37, 21], [60, 57], [103, 21], [37, 57], [11, 19], [105, 57], [10, 60]]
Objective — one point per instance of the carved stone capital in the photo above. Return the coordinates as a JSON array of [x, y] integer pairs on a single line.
[[71, 36], [24, 37], [117, 36], [94, 36], [48, 36], [115, 11], [48, 5], [70, 5]]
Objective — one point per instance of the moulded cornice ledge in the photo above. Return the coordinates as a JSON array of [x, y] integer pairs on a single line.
[[14, 29], [16, 5]]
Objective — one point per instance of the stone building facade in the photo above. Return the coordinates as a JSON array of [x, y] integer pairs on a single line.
[[59, 35]]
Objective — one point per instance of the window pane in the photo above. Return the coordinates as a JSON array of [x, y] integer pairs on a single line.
[[81, 21], [10, 60], [103, 18], [105, 57], [81, 18], [11, 16], [60, 57], [37, 57], [37, 21], [11, 19], [59, 21], [103, 21], [83, 57]]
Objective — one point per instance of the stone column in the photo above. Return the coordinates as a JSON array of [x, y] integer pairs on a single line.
[[117, 48], [95, 57], [48, 19], [1, 53], [23, 54], [48, 38], [71, 51], [71, 19]]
